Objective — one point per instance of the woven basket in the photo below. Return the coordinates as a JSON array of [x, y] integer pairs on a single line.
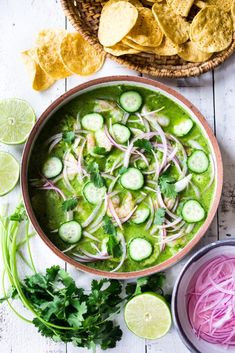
[[84, 16]]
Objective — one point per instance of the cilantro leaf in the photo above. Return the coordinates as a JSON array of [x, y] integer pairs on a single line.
[[144, 145], [166, 186], [99, 150], [69, 204], [96, 178], [114, 246], [108, 226], [68, 136], [75, 319], [159, 216], [122, 170]]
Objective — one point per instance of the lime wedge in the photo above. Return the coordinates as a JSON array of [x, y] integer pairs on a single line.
[[9, 172], [148, 316], [16, 121]]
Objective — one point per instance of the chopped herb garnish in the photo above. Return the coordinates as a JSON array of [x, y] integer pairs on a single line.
[[108, 226], [159, 216], [122, 170], [144, 144], [167, 186], [69, 204], [113, 244], [69, 136], [96, 178], [99, 150]]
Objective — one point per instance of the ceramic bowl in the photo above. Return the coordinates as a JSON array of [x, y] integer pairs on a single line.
[[155, 86], [179, 298]]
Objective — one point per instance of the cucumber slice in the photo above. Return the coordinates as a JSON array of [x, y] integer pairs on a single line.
[[193, 211], [102, 140], [131, 101], [183, 128], [141, 215], [132, 179], [92, 121], [140, 249], [52, 167], [70, 232], [198, 162], [93, 194], [121, 133]]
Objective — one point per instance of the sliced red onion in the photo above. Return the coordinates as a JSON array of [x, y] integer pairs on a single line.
[[196, 190], [80, 158], [108, 176], [176, 227], [189, 228], [54, 137], [93, 227], [211, 301], [92, 215], [212, 173], [53, 144], [162, 204], [174, 237], [151, 217], [149, 189], [114, 214], [183, 183], [90, 236], [82, 258], [123, 220], [170, 224], [65, 176], [113, 183], [112, 141], [157, 166], [124, 252], [69, 248], [116, 164], [125, 118], [97, 257], [162, 233], [146, 112], [184, 164]]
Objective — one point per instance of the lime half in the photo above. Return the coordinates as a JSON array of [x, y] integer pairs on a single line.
[[16, 121], [9, 172], [148, 316]]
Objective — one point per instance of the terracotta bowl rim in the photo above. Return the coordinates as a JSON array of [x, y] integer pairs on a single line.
[[48, 113]]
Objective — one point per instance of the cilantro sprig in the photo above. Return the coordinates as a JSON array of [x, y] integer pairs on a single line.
[[113, 244], [69, 136], [159, 216], [167, 187], [70, 204], [144, 145], [95, 176]]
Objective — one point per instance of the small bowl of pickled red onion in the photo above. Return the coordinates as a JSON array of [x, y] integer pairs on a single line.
[[203, 301]]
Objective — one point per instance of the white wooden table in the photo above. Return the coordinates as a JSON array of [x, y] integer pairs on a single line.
[[213, 93]]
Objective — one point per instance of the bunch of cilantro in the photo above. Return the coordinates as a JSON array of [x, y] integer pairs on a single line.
[[63, 311]]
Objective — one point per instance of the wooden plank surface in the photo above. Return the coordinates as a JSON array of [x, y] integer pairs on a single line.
[[212, 93]]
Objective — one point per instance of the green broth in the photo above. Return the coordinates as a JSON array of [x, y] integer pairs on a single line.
[[47, 204]]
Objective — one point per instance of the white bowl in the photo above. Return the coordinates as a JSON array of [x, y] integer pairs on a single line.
[[179, 298]]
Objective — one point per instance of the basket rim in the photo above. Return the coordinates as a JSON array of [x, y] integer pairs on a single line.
[[187, 70]]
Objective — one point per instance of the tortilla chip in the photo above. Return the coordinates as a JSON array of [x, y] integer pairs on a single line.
[[211, 29], [167, 48], [121, 49], [146, 30], [225, 5], [116, 20], [78, 56], [233, 13], [200, 4], [172, 25], [48, 52], [189, 52], [133, 45], [136, 3], [39, 78], [181, 7]]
